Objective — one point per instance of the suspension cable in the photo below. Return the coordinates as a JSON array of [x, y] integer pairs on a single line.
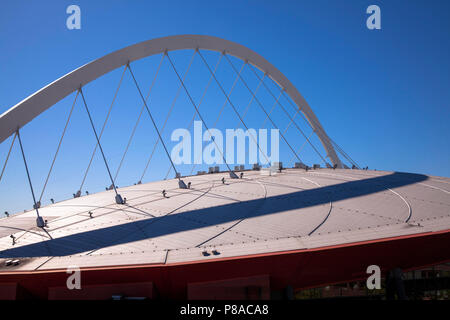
[[59, 146], [290, 122], [262, 108], [251, 100], [224, 103], [138, 119], [323, 132], [303, 145], [289, 116], [28, 173], [270, 112], [103, 129], [233, 107], [229, 94], [168, 114], [199, 104], [98, 142], [232, 174], [153, 121], [7, 156]]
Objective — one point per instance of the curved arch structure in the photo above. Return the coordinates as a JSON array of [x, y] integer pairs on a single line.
[[38, 102]]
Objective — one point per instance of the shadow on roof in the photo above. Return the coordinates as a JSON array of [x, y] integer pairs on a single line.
[[196, 219]]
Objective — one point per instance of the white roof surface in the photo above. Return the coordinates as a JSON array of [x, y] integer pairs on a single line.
[[255, 215]]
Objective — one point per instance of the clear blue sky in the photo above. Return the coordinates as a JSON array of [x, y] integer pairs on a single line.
[[382, 95]]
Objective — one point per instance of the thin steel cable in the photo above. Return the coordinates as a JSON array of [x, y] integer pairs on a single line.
[[303, 145], [138, 119], [251, 100], [59, 146], [262, 108], [199, 104], [223, 105], [153, 121], [331, 140], [103, 129], [168, 114], [229, 93], [98, 141], [270, 112], [290, 122], [7, 157], [28, 172], [226, 101], [232, 105], [289, 116], [196, 108]]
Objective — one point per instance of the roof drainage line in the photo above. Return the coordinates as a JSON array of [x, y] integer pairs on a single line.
[[237, 222], [7, 157], [329, 211], [153, 122], [138, 119], [264, 110], [119, 199], [168, 115], [394, 192], [288, 115], [59, 146], [232, 105], [232, 174], [407, 203], [101, 132], [224, 103], [153, 220]]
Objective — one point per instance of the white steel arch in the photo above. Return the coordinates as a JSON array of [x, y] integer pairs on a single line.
[[29, 108]]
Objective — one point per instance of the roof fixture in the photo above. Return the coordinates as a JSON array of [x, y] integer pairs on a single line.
[[40, 222], [300, 165], [256, 167], [6, 214], [233, 175], [181, 184], [119, 199]]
